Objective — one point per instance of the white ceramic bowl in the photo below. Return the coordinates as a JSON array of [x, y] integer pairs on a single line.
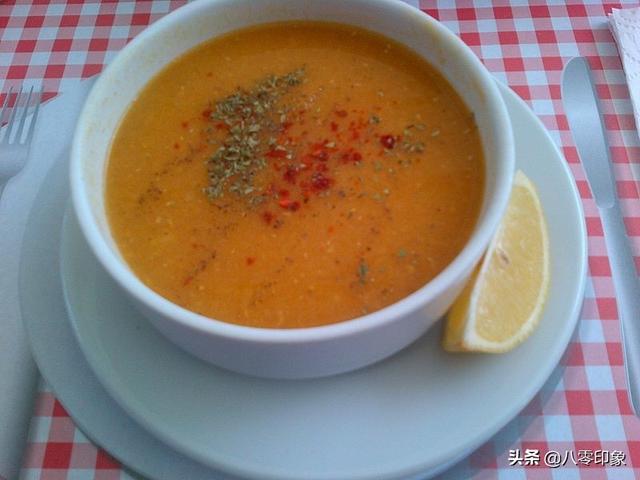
[[289, 353]]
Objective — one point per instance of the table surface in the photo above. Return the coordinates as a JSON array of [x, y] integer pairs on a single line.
[[583, 412]]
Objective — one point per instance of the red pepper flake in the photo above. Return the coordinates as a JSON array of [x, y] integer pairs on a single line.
[[185, 124], [388, 141], [290, 174], [286, 126], [351, 156], [206, 113], [267, 217], [176, 145], [221, 126], [341, 113], [251, 260], [330, 229], [276, 153], [334, 126], [209, 74], [320, 182], [283, 193], [321, 167], [289, 204]]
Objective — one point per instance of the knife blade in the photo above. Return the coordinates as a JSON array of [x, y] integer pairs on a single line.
[[587, 127]]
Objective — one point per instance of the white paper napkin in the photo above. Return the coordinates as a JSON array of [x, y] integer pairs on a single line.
[[625, 27]]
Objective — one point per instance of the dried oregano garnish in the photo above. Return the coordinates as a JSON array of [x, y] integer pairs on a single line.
[[247, 116]]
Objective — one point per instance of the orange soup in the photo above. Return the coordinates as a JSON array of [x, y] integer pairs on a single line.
[[294, 175]]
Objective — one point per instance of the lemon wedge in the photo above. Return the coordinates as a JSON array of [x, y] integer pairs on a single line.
[[504, 300]]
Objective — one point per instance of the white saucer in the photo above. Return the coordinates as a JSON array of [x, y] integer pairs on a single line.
[[412, 413]]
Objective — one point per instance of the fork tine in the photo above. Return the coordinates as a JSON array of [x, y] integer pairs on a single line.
[[12, 116], [34, 117], [4, 107], [5, 103], [23, 117]]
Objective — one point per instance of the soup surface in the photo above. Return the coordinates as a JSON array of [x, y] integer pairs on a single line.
[[294, 175]]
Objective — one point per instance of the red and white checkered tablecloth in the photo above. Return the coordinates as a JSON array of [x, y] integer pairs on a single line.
[[583, 414]]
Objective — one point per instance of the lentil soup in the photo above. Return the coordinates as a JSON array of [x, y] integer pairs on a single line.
[[293, 175]]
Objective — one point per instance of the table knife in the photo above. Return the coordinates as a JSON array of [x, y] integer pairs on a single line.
[[587, 127]]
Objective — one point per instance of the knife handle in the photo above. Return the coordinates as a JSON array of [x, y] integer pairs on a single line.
[[627, 286]]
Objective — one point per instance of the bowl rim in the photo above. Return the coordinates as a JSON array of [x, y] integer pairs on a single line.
[[465, 259]]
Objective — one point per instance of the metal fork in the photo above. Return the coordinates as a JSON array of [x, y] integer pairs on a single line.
[[15, 141]]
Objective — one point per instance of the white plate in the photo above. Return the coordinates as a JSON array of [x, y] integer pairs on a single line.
[[411, 413]]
